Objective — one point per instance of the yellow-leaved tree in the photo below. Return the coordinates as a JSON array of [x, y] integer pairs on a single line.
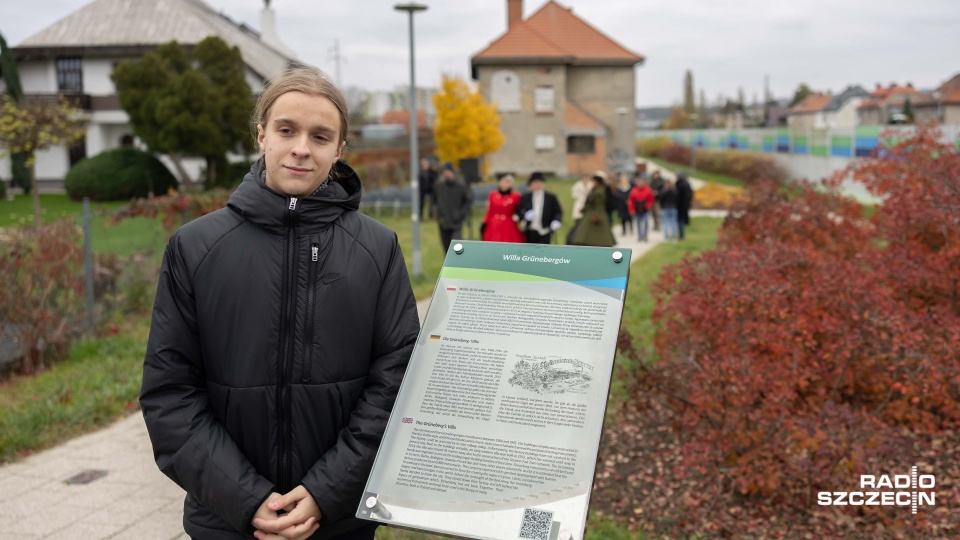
[[30, 125], [467, 126]]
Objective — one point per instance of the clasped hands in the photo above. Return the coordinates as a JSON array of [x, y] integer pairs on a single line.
[[300, 518]]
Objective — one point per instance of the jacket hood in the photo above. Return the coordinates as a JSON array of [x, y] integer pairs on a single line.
[[269, 209]]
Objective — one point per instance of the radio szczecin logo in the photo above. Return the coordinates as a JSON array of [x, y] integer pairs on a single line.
[[904, 491]]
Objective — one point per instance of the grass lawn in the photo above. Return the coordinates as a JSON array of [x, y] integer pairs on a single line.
[[95, 385], [701, 174], [125, 238], [19, 211]]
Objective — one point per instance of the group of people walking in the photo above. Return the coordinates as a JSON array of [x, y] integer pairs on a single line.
[[536, 214], [666, 201]]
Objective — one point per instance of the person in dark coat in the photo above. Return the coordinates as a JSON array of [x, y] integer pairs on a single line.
[[280, 334], [623, 207], [425, 181], [453, 205], [669, 199], [656, 184], [684, 201], [539, 210], [594, 228]]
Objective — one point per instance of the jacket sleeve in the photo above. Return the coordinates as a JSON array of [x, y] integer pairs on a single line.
[[189, 445], [467, 201], [558, 215], [337, 480]]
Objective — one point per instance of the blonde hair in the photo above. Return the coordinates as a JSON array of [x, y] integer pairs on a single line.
[[308, 80]]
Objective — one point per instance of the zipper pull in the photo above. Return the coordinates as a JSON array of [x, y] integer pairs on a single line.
[[293, 203], [314, 252]]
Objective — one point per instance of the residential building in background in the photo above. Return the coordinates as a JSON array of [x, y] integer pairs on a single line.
[[808, 113], [76, 55], [886, 105], [841, 112], [941, 106], [652, 117], [565, 93], [380, 102]]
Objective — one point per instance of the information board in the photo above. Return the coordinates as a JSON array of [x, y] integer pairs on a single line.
[[497, 424]]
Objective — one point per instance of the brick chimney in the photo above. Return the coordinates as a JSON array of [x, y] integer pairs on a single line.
[[514, 12]]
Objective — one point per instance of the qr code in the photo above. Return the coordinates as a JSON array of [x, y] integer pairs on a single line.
[[536, 524]]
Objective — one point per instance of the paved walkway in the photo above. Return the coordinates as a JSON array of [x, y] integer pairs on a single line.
[[134, 500]]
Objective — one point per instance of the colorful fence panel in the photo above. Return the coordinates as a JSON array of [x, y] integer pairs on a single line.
[[840, 142]]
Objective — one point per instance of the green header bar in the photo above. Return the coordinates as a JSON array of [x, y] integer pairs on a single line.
[[565, 263]]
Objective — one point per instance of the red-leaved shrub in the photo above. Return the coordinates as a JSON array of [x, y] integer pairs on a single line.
[[176, 208], [42, 299], [812, 346], [746, 166]]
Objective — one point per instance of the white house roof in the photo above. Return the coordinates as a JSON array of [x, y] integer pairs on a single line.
[[139, 23]]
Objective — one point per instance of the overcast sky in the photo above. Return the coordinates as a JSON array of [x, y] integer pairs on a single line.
[[731, 44]]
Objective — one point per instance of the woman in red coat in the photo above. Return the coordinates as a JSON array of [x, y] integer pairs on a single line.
[[639, 203], [498, 224]]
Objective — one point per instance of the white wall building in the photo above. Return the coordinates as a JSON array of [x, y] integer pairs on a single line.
[[76, 55]]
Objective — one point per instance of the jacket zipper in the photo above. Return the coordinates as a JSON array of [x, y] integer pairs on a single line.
[[311, 298], [289, 325]]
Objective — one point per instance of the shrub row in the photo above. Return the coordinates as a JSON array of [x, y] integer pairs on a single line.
[[814, 345], [745, 166], [42, 300]]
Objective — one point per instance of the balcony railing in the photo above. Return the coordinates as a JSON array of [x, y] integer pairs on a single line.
[[79, 101]]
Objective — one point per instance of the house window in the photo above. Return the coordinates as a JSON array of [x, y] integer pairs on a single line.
[[581, 144], [544, 142], [70, 75], [505, 91], [543, 100]]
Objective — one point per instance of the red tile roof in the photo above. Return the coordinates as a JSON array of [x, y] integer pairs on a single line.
[[893, 94], [554, 32], [811, 104], [949, 93]]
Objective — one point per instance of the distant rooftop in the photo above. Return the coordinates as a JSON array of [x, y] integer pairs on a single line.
[[117, 24], [813, 103], [553, 32]]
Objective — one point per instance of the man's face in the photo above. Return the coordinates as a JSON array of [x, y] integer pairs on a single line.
[[300, 142], [536, 185], [448, 175]]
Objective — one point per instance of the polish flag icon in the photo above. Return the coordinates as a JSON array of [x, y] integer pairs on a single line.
[[451, 288]]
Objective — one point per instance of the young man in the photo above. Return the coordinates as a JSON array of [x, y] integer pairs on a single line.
[[453, 204], [540, 210], [281, 331]]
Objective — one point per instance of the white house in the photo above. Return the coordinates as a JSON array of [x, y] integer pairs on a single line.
[[841, 112], [76, 55]]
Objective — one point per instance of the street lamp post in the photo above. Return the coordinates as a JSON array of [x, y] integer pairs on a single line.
[[412, 8]]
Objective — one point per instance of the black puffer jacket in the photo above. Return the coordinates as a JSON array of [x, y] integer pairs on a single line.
[[280, 334]]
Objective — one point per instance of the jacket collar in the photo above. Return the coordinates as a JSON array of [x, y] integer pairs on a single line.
[[271, 210]]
